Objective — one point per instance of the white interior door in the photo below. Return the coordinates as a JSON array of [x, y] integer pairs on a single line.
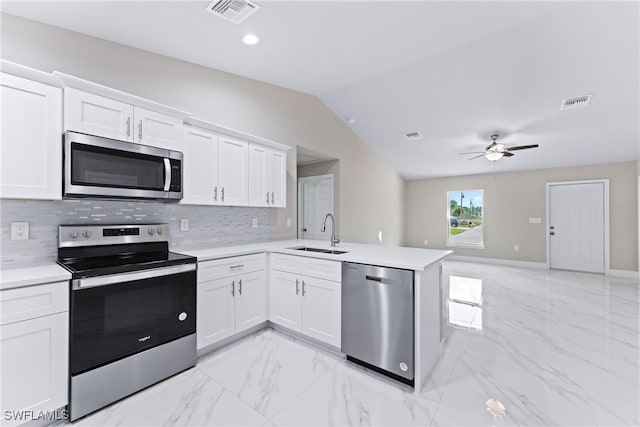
[[577, 227], [315, 200]]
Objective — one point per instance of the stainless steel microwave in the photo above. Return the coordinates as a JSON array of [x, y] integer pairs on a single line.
[[102, 167]]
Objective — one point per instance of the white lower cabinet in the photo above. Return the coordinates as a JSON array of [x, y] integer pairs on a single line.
[[34, 349], [306, 304], [230, 304]]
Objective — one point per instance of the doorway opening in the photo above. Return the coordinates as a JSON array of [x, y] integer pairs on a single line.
[[318, 181], [578, 226]]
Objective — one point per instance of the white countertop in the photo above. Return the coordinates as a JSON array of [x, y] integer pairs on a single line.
[[33, 275], [387, 256]]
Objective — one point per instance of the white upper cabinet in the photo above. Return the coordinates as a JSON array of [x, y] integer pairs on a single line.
[[31, 144], [259, 191], [277, 171], [200, 157], [267, 176], [93, 114], [233, 163], [157, 129], [96, 115]]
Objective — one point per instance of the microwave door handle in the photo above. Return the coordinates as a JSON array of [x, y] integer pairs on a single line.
[[167, 174]]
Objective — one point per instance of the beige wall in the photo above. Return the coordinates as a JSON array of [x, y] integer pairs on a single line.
[[371, 193], [330, 167], [510, 199]]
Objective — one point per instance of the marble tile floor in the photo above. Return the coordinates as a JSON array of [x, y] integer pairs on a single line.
[[549, 347]]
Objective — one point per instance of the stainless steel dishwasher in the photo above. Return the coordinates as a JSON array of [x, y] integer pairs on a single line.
[[377, 319]]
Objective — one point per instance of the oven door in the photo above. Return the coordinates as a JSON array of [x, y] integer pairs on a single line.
[[115, 316], [96, 166]]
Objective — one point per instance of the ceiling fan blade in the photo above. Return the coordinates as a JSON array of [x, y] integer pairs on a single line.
[[507, 154], [473, 152], [521, 147], [475, 157]]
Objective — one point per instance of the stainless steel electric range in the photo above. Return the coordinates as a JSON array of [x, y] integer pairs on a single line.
[[133, 311]]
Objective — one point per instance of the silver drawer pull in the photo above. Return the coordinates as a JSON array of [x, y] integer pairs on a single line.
[[237, 266]]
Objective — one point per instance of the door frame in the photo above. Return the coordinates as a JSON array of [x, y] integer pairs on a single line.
[[301, 180], [605, 182]]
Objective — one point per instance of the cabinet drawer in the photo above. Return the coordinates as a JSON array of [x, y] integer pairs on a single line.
[[33, 301], [289, 263], [225, 267], [322, 269]]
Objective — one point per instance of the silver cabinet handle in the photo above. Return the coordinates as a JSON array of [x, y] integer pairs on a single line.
[[240, 287], [236, 266], [222, 194], [304, 292], [233, 288], [297, 287], [140, 131], [128, 127], [215, 193], [552, 233], [272, 197], [267, 197]]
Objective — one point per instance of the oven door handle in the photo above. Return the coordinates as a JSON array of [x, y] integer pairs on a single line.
[[112, 279], [167, 174]]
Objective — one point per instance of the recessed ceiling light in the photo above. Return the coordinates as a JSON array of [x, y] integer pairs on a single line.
[[251, 39], [351, 120]]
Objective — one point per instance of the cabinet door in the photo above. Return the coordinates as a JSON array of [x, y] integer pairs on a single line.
[[96, 115], [215, 315], [157, 129], [233, 169], [285, 307], [278, 178], [34, 355], [200, 176], [259, 192], [31, 144], [321, 310], [251, 300]]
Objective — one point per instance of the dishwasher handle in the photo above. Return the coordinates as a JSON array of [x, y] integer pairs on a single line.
[[374, 278]]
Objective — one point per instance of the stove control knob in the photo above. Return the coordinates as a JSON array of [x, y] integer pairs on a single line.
[[160, 231], [150, 231], [73, 234], [86, 233]]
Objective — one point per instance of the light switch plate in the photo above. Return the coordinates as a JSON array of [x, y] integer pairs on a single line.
[[184, 224], [20, 230], [288, 222], [254, 223], [535, 220]]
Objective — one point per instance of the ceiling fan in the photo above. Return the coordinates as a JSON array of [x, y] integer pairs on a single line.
[[497, 150]]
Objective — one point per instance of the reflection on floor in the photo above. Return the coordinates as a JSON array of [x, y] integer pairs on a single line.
[[535, 348]]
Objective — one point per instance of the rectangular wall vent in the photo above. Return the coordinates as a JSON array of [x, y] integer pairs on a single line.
[[413, 136], [577, 102], [235, 11]]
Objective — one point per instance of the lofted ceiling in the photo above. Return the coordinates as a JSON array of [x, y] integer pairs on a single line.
[[455, 71]]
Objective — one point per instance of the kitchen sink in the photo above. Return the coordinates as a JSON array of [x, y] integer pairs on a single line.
[[323, 251]]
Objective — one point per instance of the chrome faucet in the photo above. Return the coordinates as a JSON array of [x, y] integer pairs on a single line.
[[334, 239]]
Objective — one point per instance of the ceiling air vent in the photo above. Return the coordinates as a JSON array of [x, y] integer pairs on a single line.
[[235, 11], [413, 136], [577, 102]]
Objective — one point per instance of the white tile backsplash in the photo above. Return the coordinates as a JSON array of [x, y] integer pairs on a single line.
[[209, 226]]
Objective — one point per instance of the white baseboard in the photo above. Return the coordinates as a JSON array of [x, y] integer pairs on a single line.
[[511, 262], [624, 273]]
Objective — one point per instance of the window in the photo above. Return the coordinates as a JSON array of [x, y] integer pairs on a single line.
[[464, 218]]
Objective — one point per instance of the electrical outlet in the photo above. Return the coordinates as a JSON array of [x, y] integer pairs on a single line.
[[289, 222], [254, 223], [426, 242], [20, 230], [184, 224], [535, 220], [516, 248]]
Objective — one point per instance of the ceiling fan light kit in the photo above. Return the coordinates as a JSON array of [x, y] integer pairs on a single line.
[[497, 150]]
